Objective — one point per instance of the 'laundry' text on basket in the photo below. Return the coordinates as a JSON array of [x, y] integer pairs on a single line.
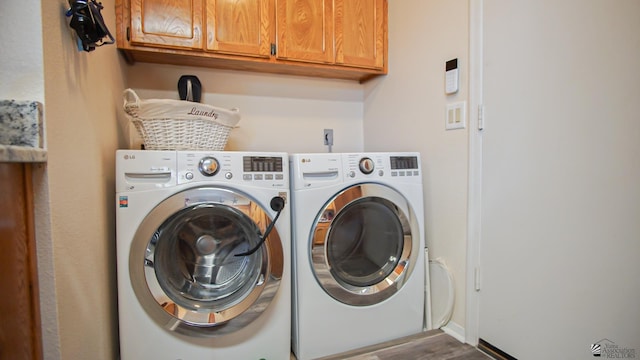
[[195, 111]]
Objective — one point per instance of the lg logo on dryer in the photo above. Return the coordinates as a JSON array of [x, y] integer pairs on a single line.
[[129, 157]]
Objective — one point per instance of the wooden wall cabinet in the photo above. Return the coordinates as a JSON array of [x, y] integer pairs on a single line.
[[239, 27], [167, 23], [343, 39], [20, 334], [305, 30], [361, 33]]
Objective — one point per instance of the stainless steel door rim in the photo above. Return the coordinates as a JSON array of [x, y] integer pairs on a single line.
[[183, 267], [368, 251]]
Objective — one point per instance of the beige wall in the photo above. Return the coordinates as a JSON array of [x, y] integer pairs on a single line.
[[81, 105], [405, 111], [278, 113]]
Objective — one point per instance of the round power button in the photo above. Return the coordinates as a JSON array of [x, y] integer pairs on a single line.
[[366, 165]]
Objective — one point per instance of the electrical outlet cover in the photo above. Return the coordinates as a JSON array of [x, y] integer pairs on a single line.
[[328, 137]]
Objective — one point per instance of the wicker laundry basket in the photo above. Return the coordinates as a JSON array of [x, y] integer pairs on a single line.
[[166, 124]]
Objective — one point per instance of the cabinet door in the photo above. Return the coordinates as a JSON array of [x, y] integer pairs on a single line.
[[361, 32], [20, 335], [244, 27], [305, 30], [167, 23]]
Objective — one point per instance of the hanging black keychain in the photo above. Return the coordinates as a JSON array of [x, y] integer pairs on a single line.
[[88, 24]]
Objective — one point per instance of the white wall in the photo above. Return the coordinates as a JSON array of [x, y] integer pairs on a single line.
[[561, 201], [405, 110], [22, 78], [21, 72], [278, 113]]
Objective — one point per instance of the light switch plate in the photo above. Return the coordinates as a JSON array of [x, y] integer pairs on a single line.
[[455, 117]]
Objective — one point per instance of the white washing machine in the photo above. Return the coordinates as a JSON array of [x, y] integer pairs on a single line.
[[358, 250], [203, 255]]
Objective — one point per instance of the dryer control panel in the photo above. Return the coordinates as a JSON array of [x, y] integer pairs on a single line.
[[404, 165], [398, 166]]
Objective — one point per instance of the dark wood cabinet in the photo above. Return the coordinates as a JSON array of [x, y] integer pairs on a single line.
[[20, 334]]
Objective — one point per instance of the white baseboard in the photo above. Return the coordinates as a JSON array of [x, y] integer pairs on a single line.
[[454, 330]]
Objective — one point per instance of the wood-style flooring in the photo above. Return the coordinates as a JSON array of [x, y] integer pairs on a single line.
[[430, 345]]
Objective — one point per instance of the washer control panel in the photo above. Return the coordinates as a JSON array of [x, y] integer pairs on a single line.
[[260, 169]]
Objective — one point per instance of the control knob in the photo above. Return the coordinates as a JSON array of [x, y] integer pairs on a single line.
[[209, 166], [366, 165]]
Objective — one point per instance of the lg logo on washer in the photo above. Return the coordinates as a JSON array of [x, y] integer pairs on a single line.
[[133, 157], [307, 160]]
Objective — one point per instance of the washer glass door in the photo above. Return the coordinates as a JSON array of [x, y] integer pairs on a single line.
[[362, 245], [184, 264]]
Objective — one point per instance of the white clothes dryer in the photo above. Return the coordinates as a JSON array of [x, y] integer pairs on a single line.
[[203, 255], [358, 250]]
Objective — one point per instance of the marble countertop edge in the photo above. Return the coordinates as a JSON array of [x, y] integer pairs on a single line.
[[22, 154], [21, 132]]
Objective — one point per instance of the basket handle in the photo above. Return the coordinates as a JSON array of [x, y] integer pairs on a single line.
[[131, 99]]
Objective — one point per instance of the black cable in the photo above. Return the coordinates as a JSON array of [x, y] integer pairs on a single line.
[[277, 204]]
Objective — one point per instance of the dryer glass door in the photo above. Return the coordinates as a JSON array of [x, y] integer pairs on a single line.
[[368, 250], [185, 266], [365, 242]]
